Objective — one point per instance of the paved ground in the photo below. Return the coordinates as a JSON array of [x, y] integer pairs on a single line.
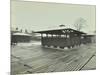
[[33, 58]]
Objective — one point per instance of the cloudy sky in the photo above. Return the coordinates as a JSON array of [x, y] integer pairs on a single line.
[[43, 16]]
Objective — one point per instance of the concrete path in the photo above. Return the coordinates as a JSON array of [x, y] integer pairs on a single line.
[[36, 59]]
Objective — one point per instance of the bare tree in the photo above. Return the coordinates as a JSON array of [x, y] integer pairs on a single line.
[[21, 30], [26, 31], [80, 23], [17, 28]]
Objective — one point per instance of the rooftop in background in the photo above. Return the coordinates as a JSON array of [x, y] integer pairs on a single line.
[[21, 34], [61, 31]]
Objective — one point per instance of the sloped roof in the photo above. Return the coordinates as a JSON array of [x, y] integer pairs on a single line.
[[61, 31], [21, 34]]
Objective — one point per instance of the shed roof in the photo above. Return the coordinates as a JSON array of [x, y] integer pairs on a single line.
[[61, 31], [21, 34]]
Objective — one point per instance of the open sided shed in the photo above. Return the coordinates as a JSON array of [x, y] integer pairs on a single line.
[[61, 37], [91, 38], [20, 37]]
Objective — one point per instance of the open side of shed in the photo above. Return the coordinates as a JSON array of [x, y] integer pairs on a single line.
[[61, 38]]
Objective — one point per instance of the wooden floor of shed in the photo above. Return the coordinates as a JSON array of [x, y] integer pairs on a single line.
[[36, 59]]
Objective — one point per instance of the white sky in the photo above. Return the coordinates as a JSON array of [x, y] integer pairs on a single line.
[[39, 16]]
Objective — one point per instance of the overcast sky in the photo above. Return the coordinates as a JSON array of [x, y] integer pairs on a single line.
[[39, 16]]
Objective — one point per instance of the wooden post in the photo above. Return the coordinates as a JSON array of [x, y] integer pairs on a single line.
[[46, 35], [42, 39]]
